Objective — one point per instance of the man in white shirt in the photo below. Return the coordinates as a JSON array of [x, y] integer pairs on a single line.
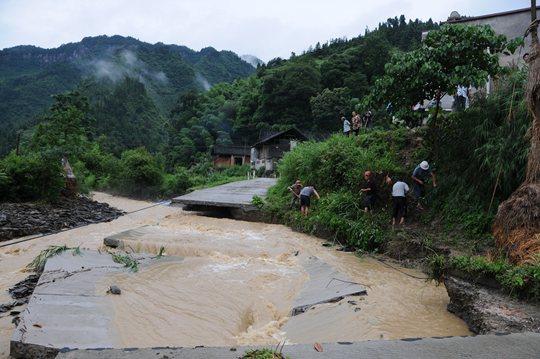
[[399, 201], [346, 126]]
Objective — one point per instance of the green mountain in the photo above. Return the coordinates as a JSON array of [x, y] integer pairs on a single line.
[[29, 75]]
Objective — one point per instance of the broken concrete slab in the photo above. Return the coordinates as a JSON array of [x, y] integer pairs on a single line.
[[325, 285], [117, 240], [522, 345], [65, 310], [231, 195]]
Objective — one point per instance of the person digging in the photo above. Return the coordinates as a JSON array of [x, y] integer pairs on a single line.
[[295, 192], [420, 176]]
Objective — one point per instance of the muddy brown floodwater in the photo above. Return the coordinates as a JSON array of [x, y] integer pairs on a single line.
[[235, 285]]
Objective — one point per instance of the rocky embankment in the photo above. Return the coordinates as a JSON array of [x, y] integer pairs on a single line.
[[23, 219], [487, 310], [478, 300]]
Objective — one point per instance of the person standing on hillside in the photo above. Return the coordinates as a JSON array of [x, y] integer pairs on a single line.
[[346, 126], [305, 198], [370, 192], [399, 201], [295, 191], [368, 120], [356, 123], [420, 176]]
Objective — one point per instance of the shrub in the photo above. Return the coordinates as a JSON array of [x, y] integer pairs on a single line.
[[340, 162], [335, 167], [30, 177], [139, 174], [101, 165], [480, 154], [177, 183], [5, 182]]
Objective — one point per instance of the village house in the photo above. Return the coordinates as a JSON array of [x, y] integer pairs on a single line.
[[511, 24], [270, 149], [227, 156]]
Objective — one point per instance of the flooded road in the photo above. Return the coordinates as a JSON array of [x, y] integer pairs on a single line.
[[236, 283]]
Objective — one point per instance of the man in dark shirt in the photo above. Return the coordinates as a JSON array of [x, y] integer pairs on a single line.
[[420, 176], [295, 191], [370, 191]]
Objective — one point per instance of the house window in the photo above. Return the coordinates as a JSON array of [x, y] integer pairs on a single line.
[[238, 161]]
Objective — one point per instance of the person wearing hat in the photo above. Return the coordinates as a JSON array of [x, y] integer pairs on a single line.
[[420, 175]]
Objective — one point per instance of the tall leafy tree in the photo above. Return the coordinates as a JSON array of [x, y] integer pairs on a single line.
[[452, 56], [61, 129], [285, 94], [328, 106]]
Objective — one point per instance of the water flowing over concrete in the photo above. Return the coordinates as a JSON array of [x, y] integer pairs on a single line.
[[237, 284]]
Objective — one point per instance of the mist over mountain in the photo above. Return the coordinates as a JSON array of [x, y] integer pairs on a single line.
[[30, 75], [252, 60]]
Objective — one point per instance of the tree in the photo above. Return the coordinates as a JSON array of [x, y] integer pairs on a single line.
[[517, 225], [129, 118], [61, 130], [328, 106], [140, 174], [452, 56], [285, 94]]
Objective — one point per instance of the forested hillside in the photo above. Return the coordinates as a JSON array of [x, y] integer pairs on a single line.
[[308, 91], [29, 76]]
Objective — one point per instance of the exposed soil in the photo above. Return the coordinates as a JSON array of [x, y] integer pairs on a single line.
[[23, 219], [489, 311], [478, 300]]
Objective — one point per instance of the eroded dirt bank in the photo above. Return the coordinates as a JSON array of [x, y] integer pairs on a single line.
[[236, 283]]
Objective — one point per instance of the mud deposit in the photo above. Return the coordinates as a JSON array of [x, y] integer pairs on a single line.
[[23, 219], [236, 283]]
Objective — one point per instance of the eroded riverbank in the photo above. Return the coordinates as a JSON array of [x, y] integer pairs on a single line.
[[236, 283]]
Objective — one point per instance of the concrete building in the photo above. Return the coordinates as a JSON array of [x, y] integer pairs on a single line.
[[227, 156], [512, 24], [269, 150]]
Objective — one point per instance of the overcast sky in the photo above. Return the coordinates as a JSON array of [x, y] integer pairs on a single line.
[[266, 29]]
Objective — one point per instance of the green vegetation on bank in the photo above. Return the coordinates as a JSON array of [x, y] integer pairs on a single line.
[[121, 140], [36, 172], [335, 167], [478, 153], [518, 280]]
